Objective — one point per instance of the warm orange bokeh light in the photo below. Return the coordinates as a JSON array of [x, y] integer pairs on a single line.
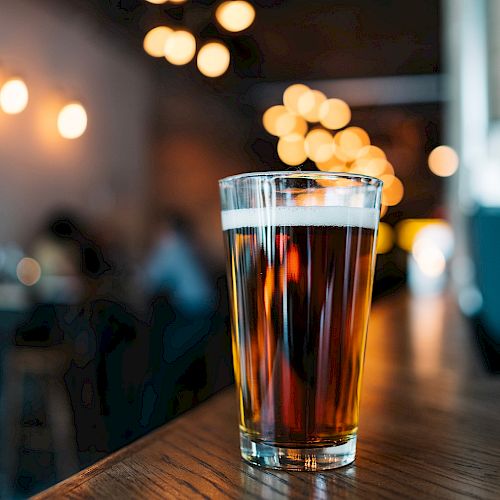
[[72, 121], [349, 142], [301, 126], [213, 59], [443, 161], [235, 15], [277, 120], [408, 229], [429, 257], [319, 145], [14, 96], [370, 152], [292, 95], [309, 103], [383, 210], [180, 47], [334, 114], [291, 149], [154, 41], [393, 190], [333, 164], [385, 238]]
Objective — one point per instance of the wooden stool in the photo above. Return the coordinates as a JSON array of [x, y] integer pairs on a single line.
[[48, 365]]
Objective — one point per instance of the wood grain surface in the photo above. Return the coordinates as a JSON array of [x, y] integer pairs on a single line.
[[430, 428]]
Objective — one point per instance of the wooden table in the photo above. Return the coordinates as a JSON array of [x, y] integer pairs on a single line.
[[430, 428]]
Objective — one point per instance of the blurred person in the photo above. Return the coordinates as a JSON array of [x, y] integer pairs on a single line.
[[173, 268]]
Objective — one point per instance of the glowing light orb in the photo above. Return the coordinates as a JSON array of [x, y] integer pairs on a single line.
[[72, 121], [319, 145], [277, 120], [213, 59], [180, 47], [308, 105], [154, 41], [235, 15], [334, 114], [429, 257], [443, 161], [292, 95], [14, 96], [392, 191], [291, 149]]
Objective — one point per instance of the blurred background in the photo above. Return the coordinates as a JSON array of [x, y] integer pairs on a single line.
[[117, 118]]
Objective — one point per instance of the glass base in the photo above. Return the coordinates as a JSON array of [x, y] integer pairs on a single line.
[[306, 459]]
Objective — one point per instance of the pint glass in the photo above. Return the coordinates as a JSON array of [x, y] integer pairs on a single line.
[[300, 260]]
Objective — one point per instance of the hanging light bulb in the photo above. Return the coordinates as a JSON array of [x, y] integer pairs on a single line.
[[213, 59], [72, 121], [14, 96]]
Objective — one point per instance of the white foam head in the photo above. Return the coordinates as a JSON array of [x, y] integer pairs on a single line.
[[300, 216]]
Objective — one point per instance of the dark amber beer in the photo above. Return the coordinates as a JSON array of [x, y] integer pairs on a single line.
[[300, 282]]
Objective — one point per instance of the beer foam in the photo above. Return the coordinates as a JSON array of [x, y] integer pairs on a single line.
[[300, 216]]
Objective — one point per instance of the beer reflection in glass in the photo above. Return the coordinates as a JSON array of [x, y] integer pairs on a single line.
[[300, 260]]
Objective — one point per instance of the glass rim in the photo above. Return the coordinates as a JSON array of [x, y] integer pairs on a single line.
[[304, 174]]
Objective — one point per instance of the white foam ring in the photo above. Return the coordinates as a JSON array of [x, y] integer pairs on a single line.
[[300, 216]]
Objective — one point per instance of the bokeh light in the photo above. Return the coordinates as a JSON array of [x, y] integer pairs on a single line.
[[408, 229], [292, 95], [385, 238], [14, 96], [443, 161], [319, 145], [334, 114], [28, 271], [277, 120], [333, 164], [308, 105], [180, 47], [72, 121], [154, 41], [350, 141], [300, 127], [157, 2], [235, 15], [383, 210], [213, 59], [392, 191], [291, 149], [429, 257]]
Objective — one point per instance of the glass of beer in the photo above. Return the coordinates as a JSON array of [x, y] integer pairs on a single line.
[[300, 261]]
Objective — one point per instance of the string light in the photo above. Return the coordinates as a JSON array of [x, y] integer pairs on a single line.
[[292, 95], [319, 145], [72, 121], [277, 120], [308, 105], [235, 15], [213, 59], [154, 41], [334, 114], [180, 47], [291, 149], [14, 96]]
